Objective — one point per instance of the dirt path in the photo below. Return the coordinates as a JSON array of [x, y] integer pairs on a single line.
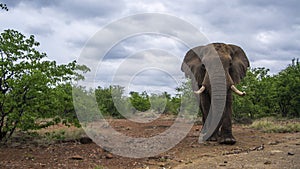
[[254, 149], [282, 153]]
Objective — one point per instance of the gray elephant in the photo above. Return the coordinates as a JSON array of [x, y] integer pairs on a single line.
[[235, 64]]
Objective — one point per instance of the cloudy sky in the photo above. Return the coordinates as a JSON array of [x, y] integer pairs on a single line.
[[268, 31]]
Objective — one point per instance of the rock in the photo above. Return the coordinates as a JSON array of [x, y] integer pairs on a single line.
[[162, 159], [85, 140], [275, 151], [189, 162], [105, 125], [261, 147], [267, 162], [162, 164], [274, 142], [42, 164], [194, 146], [76, 157], [291, 153], [154, 157], [106, 149], [258, 148], [109, 156]]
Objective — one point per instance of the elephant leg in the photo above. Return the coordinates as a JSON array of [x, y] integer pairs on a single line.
[[204, 107], [226, 129], [215, 135]]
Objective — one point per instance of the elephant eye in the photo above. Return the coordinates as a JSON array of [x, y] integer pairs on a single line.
[[230, 64], [203, 66]]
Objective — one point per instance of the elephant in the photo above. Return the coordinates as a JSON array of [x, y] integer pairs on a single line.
[[235, 64]]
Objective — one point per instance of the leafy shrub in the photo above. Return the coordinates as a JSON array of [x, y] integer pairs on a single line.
[[30, 86]]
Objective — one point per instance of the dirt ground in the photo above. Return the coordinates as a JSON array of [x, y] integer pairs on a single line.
[[254, 149]]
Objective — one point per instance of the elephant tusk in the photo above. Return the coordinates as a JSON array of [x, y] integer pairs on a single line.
[[200, 90], [237, 91]]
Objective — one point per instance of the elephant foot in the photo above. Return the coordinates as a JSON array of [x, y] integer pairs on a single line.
[[214, 138], [227, 140]]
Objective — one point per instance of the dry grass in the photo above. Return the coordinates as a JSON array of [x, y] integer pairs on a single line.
[[271, 125], [61, 132]]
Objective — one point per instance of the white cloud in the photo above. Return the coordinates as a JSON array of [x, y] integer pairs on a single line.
[[277, 65], [145, 6], [268, 31], [266, 37]]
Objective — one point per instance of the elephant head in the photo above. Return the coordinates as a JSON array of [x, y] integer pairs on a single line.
[[234, 62]]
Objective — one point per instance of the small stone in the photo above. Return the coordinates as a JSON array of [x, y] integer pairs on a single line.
[[273, 143], [76, 157], [42, 165], [161, 164], [154, 157], [273, 152], [85, 140], [194, 146], [258, 148], [109, 156], [291, 153], [189, 162], [106, 149], [267, 162], [105, 125]]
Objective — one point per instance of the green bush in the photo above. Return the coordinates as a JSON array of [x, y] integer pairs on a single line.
[[31, 87], [277, 95]]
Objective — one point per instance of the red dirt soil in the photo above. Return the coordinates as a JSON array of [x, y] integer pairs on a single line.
[[254, 149]]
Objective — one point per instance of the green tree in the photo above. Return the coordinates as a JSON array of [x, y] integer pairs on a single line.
[[159, 102], [288, 90], [267, 95], [139, 101], [186, 100], [109, 98], [26, 79], [259, 100], [58, 102], [173, 106], [105, 101]]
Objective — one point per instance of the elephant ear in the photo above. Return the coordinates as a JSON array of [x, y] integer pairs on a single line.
[[240, 63], [192, 67]]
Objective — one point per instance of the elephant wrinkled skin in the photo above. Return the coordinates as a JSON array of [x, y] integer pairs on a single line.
[[235, 64]]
